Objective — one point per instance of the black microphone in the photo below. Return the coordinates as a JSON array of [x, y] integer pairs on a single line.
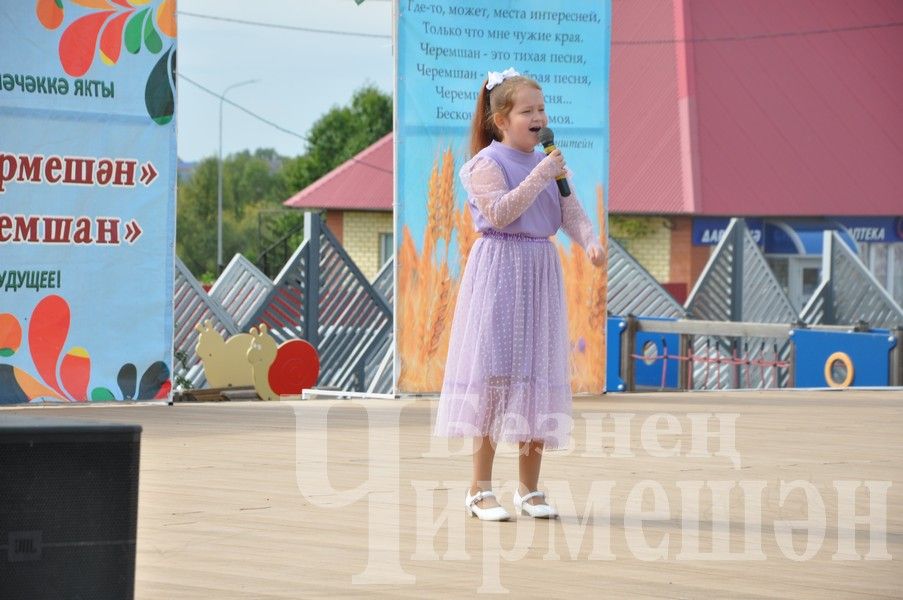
[[547, 139]]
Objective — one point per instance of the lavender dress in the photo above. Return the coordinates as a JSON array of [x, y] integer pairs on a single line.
[[507, 375]]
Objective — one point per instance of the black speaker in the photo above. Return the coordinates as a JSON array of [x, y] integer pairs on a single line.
[[68, 508]]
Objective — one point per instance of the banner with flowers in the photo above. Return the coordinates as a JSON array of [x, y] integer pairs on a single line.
[[87, 199], [444, 50]]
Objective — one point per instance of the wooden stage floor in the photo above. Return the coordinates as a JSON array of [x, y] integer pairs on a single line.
[[342, 498]]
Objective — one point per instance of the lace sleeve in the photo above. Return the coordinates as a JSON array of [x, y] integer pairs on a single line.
[[575, 222], [485, 183]]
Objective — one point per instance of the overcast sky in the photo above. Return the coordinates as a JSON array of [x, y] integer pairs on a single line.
[[301, 74]]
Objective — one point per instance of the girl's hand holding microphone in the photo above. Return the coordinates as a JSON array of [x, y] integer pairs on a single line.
[[552, 166]]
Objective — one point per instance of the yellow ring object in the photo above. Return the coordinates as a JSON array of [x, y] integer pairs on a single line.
[[845, 359]]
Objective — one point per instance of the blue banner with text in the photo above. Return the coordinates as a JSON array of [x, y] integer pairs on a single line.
[[444, 50], [87, 199]]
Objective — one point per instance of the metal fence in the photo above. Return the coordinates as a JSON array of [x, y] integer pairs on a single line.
[[849, 292], [321, 296], [241, 289], [379, 369], [632, 290], [384, 283], [733, 355], [738, 285], [192, 306]]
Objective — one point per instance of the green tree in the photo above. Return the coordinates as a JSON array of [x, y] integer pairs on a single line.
[[256, 184], [251, 182], [340, 134]]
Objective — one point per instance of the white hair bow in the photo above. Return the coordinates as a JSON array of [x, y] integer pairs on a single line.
[[496, 78]]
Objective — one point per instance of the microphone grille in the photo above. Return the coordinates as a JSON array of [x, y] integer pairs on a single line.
[[546, 136]]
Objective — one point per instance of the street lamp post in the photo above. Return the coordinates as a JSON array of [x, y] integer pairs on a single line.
[[219, 179]]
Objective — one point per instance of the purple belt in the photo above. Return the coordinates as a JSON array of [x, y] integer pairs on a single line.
[[519, 237]]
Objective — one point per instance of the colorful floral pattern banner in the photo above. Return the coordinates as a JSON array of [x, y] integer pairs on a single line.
[[87, 199], [444, 50]]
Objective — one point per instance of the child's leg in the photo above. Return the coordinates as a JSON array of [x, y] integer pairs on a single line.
[[529, 462], [483, 455]]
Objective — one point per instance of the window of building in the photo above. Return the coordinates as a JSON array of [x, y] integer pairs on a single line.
[[798, 276], [884, 261], [385, 248]]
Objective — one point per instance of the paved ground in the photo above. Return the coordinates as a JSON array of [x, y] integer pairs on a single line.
[[355, 499]]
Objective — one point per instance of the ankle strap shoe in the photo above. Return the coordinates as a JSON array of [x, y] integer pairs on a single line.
[[537, 511], [496, 513]]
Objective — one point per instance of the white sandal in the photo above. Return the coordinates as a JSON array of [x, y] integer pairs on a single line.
[[496, 513], [537, 511]]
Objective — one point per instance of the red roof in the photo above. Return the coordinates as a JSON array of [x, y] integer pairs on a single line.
[[361, 183], [645, 154], [777, 123]]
